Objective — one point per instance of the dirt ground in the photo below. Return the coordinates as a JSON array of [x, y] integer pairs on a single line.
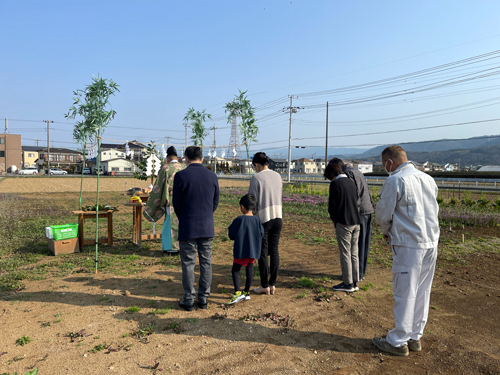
[[322, 335], [71, 183]]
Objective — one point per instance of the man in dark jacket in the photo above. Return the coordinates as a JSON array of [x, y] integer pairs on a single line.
[[365, 206], [195, 198], [345, 216]]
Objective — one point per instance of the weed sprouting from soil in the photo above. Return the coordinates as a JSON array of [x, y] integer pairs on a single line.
[[23, 340], [132, 309]]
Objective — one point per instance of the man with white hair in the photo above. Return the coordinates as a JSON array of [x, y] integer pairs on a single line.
[[408, 215]]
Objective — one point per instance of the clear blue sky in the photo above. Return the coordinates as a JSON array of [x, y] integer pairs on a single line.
[[168, 56]]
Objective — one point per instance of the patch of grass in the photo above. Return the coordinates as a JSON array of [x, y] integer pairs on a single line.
[[434, 307], [301, 295], [23, 340], [192, 320], [145, 329], [132, 309], [98, 348], [160, 311], [306, 282], [105, 298], [366, 286]]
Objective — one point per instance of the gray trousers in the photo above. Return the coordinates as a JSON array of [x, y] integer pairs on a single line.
[[188, 250], [347, 239]]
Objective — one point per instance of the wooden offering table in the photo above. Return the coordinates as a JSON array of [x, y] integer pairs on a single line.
[[137, 236], [85, 215]]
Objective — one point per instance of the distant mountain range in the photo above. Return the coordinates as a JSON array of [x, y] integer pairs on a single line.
[[475, 151], [484, 150], [442, 145]]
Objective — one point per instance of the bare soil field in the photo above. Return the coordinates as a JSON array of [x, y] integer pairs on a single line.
[[71, 183], [114, 324]]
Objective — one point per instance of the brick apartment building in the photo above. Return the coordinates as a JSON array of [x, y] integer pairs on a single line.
[[10, 152]]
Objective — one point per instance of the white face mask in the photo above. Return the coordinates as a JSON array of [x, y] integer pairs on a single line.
[[385, 166]]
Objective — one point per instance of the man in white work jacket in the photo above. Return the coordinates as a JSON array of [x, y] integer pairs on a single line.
[[408, 215]]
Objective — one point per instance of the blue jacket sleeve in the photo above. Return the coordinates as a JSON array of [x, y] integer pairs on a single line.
[[177, 195], [233, 229], [216, 194]]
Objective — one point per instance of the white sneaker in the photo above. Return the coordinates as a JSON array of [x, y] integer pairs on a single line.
[[247, 296]]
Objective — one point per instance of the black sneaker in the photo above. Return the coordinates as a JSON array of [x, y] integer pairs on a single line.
[[186, 307], [202, 304], [344, 288], [355, 286]]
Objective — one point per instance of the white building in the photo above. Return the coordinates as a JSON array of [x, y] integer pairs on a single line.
[[305, 166], [363, 167], [320, 165]]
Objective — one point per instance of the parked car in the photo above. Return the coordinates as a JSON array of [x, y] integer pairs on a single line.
[[86, 171], [100, 171], [53, 171], [29, 170]]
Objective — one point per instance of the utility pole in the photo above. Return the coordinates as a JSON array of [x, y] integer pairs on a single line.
[[37, 140], [48, 145], [186, 128], [168, 142], [215, 147], [5, 145], [326, 138], [292, 110]]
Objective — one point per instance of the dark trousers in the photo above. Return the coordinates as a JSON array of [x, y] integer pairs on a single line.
[[236, 276], [270, 242], [365, 234]]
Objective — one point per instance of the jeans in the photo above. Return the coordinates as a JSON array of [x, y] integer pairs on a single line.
[[347, 239], [270, 242], [188, 250], [365, 233]]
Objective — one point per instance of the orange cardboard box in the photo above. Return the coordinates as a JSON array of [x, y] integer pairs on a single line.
[[68, 246]]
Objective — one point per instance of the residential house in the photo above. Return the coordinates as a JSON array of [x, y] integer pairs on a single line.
[[118, 166], [430, 166], [320, 165], [63, 158], [449, 167], [111, 151], [305, 166], [30, 154], [217, 162], [363, 167], [10, 152], [279, 165]]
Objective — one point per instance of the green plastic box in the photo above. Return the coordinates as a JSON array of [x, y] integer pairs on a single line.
[[64, 232]]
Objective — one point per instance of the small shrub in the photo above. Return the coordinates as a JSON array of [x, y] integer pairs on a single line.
[[23, 340], [301, 295], [453, 201], [306, 282], [133, 309]]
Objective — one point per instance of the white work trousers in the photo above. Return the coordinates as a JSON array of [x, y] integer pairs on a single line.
[[412, 274]]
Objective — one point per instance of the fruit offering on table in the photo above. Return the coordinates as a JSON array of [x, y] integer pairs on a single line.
[[135, 199]]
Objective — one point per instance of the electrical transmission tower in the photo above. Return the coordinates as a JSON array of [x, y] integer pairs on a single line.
[[234, 142]]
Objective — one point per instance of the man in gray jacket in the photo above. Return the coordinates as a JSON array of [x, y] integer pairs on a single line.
[[365, 208], [408, 215]]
